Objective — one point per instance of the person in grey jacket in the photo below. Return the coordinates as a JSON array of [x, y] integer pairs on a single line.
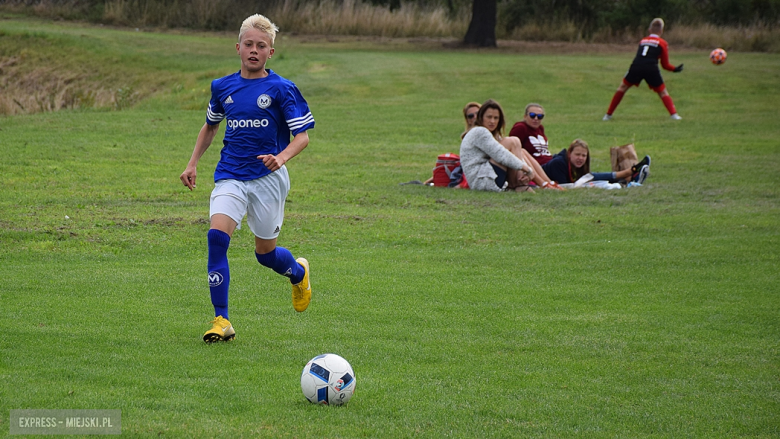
[[487, 164]]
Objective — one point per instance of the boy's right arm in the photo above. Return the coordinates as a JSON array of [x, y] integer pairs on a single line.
[[205, 137]]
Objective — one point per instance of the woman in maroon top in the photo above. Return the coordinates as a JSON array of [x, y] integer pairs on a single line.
[[530, 131], [516, 147]]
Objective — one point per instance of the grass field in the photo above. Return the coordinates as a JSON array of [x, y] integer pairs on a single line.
[[643, 312]]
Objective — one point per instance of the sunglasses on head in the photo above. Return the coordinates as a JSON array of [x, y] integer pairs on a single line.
[[472, 115], [539, 116]]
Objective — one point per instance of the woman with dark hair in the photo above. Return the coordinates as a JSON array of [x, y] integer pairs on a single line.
[[487, 164], [514, 145], [571, 164]]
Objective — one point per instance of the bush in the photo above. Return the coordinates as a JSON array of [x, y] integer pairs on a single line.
[[613, 21]]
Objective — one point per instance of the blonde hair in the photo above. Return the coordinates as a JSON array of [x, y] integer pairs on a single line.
[[466, 115], [261, 23], [656, 26], [532, 104]]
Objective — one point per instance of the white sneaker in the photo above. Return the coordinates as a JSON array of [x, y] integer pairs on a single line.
[[606, 117], [642, 175], [675, 116]]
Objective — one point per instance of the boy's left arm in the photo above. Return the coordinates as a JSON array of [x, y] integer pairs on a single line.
[[274, 162], [665, 59]]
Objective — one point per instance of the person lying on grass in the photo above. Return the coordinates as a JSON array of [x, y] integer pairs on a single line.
[[573, 163]]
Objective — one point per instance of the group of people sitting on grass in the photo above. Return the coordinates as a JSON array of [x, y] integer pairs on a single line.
[[491, 161]]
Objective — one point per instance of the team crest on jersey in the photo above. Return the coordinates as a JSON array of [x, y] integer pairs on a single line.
[[264, 101]]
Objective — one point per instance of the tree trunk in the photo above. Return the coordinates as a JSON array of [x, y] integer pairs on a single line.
[[482, 29]]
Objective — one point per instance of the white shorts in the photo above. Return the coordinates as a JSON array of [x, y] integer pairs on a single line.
[[261, 200]]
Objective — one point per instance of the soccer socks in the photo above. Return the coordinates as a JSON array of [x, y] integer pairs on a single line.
[[669, 104], [282, 261], [219, 272], [615, 101], [667, 100]]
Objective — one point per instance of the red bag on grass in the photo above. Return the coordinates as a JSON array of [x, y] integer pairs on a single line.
[[445, 164]]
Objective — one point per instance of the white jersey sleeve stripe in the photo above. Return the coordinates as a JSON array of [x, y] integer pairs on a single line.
[[214, 117], [293, 120], [299, 122]]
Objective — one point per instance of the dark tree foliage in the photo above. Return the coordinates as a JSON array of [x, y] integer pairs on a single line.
[[590, 16], [595, 15], [393, 4], [482, 29], [452, 6], [739, 12]]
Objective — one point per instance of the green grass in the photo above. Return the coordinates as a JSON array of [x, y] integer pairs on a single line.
[[644, 312]]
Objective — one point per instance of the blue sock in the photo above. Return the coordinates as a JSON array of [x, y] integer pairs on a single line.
[[219, 272], [282, 261]]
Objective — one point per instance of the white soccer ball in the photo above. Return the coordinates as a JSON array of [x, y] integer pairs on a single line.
[[328, 379]]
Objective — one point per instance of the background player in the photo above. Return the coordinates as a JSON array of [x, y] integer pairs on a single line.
[[645, 66], [262, 110]]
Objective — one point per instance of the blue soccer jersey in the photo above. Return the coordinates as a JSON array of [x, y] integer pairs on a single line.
[[261, 115]]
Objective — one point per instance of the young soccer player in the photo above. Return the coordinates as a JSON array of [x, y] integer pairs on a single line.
[[262, 111], [645, 67]]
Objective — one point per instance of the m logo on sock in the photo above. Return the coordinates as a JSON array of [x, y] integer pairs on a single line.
[[215, 279]]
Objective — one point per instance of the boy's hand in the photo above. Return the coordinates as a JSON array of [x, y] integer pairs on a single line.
[[188, 178], [272, 162], [678, 68]]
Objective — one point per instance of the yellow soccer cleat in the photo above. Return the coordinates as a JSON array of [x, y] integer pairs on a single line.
[[221, 330], [301, 292]]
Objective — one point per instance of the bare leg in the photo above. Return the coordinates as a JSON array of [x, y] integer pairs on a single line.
[[540, 177], [625, 174], [513, 145], [263, 246], [223, 223], [514, 177]]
